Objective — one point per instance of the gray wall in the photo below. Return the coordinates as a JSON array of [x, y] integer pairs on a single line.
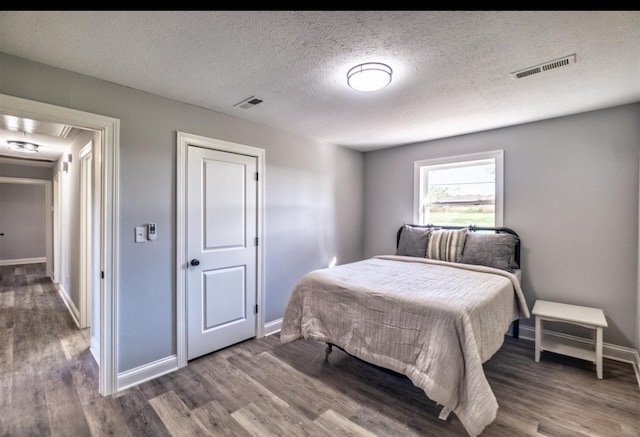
[[571, 192], [22, 220], [25, 171], [313, 197]]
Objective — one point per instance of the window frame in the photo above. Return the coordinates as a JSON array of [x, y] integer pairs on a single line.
[[453, 161]]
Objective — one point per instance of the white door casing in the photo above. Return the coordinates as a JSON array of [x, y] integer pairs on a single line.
[[86, 235], [107, 199], [215, 244], [96, 172], [57, 250], [222, 246]]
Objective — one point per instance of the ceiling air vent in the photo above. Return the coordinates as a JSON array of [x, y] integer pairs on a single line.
[[66, 130], [541, 68], [248, 103]]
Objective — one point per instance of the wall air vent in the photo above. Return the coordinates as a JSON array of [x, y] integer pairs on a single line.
[[541, 68], [248, 103]]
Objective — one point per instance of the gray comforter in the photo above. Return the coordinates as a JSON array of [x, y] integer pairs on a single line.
[[433, 321]]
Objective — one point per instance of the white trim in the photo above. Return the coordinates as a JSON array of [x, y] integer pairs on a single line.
[[636, 367], [86, 231], [146, 372], [611, 351], [638, 296], [48, 199], [48, 216], [272, 327], [94, 348], [109, 129], [181, 253], [497, 155], [57, 242], [73, 310], [86, 150], [13, 262], [183, 141]]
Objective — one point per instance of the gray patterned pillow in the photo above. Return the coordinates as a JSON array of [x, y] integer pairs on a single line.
[[413, 241], [492, 250], [446, 245]]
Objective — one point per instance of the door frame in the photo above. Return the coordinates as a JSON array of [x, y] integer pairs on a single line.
[[57, 250], [48, 224], [86, 234], [184, 140], [109, 129]]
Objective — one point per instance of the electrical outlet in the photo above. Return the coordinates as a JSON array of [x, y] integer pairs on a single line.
[[141, 234]]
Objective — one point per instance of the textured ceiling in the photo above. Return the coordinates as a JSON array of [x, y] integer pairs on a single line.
[[451, 68]]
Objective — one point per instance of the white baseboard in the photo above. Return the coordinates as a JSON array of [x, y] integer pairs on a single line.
[[94, 348], [73, 310], [13, 262], [611, 351], [163, 366], [636, 367], [272, 327], [146, 372]]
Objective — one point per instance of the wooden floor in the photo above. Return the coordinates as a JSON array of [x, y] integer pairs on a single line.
[[48, 386]]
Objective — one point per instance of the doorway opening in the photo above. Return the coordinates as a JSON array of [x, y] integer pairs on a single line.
[[103, 202], [27, 227]]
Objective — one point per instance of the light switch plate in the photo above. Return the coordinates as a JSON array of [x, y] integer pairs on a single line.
[[141, 234]]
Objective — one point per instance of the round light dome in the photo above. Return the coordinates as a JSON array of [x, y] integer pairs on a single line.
[[371, 76]]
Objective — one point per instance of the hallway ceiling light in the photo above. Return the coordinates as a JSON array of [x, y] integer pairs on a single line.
[[370, 76], [24, 147]]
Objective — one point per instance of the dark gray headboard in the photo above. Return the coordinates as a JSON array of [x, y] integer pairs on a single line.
[[472, 228]]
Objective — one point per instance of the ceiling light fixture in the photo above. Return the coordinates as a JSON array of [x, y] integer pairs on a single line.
[[370, 76], [24, 147]]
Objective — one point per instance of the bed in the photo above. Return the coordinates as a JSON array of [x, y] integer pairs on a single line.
[[434, 311]]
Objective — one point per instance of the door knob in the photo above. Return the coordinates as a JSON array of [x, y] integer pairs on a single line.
[[195, 262]]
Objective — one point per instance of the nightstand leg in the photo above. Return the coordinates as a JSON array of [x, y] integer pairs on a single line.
[[538, 337], [599, 352]]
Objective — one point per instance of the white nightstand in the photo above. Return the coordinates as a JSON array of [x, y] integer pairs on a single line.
[[592, 318]]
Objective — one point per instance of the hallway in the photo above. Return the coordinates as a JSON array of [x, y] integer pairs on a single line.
[[46, 370]]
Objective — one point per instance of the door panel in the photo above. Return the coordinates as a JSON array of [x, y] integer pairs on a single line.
[[224, 217], [221, 230], [224, 297]]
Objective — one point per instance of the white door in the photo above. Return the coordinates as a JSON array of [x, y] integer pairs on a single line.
[[222, 249]]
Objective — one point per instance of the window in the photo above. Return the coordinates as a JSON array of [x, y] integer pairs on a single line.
[[459, 190]]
